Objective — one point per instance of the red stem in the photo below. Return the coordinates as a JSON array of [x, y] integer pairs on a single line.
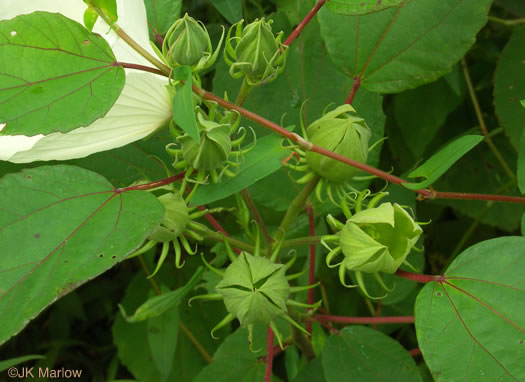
[[297, 31], [311, 269], [140, 67], [269, 355], [415, 352], [355, 87], [419, 277], [151, 185], [364, 320]]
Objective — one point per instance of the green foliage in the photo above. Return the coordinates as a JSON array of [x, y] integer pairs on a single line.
[[394, 50], [98, 229], [54, 84], [472, 307], [425, 82]]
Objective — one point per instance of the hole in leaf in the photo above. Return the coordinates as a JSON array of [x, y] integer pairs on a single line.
[[13, 33], [439, 294], [101, 255], [36, 236], [85, 42]]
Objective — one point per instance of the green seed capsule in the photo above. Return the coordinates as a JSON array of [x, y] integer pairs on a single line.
[[254, 289], [342, 133], [176, 218], [378, 239], [213, 149]]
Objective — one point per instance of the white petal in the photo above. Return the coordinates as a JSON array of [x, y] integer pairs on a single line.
[[9, 145], [131, 13], [143, 106]]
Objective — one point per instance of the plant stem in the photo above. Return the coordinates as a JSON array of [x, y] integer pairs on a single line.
[[295, 208], [140, 67], [355, 87], [220, 237], [311, 265], [152, 281], [297, 31], [139, 49], [508, 23], [482, 124], [426, 194], [244, 91], [364, 320], [418, 277], [269, 355], [257, 216], [195, 342], [305, 240]]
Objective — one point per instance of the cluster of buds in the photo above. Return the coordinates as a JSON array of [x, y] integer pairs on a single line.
[[254, 52], [187, 43], [373, 240], [212, 154], [256, 290]]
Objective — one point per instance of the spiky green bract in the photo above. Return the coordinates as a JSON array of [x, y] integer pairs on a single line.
[[255, 52], [378, 239], [213, 149], [187, 43], [176, 217], [343, 133], [254, 289]]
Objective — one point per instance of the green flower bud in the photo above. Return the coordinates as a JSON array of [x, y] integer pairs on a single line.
[[257, 53], [254, 289], [378, 239], [342, 133], [213, 149], [176, 218], [187, 43]]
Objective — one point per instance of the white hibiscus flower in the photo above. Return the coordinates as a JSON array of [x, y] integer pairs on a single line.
[[142, 107]]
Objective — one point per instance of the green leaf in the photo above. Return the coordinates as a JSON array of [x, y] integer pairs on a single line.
[[395, 49], [361, 7], [234, 361], [183, 109], [422, 111], [358, 353], [55, 75], [230, 9], [107, 7], [439, 163], [73, 226], [313, 372], [161, 15], [509, 87], [163, 332], [6, 364], [264, 159], [157, 305], [478, 307]]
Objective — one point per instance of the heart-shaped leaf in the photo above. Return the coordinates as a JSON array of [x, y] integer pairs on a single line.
[[61, 226], [478, 307], [395, 50], [55, 75]]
